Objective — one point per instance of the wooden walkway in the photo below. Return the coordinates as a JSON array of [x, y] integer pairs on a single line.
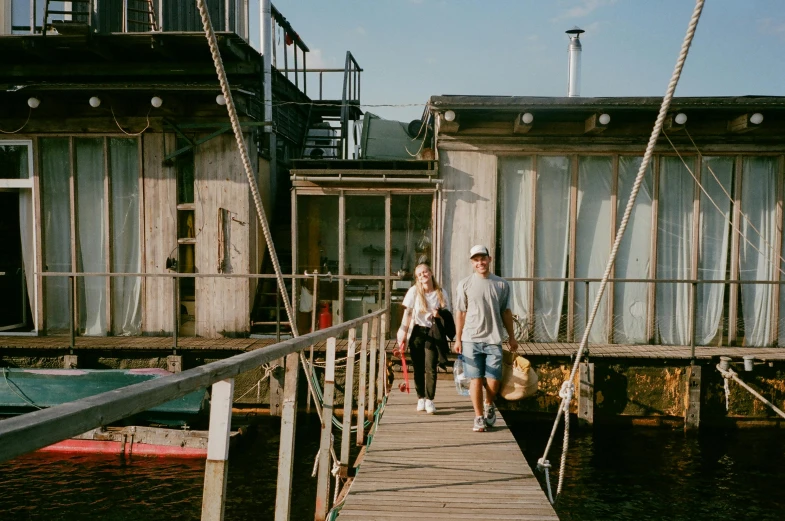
[[424, 467], [532, 349]]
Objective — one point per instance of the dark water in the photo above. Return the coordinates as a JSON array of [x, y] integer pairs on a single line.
[[59, 487], [644, 473], [612, 474]]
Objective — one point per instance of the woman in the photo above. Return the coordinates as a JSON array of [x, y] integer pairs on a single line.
[[421, 306]]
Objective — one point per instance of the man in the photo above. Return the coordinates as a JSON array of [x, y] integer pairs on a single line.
[[482, 308]]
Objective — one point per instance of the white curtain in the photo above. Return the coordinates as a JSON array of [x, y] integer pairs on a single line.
[[716, 175], [674, 250], [551, 243], [90, 234], [126, 250], [593, 241], [28, 243], [632, 259], [56, 216], [759, 204], [517, 199]]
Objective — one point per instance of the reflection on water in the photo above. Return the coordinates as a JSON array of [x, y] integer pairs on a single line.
[[75, 487], [652, 474]]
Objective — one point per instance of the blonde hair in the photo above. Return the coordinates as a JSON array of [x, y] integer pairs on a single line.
[[421, 292]]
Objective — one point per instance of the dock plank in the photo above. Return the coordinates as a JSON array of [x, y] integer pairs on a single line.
[[433, 466]]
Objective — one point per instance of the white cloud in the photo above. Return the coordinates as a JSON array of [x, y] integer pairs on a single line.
[[582, 8], [771, 26], [317, 60], [533, 37], [361, 30]]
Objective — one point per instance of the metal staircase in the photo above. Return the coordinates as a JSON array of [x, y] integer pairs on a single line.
[[327, 129], [139, 16], [76, 16]]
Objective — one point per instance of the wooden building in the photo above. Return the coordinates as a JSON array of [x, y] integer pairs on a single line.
[[116, 156]]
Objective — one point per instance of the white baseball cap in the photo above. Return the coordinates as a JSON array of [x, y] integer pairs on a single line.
[[478, 249]]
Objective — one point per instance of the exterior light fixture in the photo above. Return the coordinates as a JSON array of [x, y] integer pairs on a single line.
[[605, 119], [156, 102], [527, 118], [220, 99], [33, 102], [95, 102], [681, 118], [449, 115], [756, 119]]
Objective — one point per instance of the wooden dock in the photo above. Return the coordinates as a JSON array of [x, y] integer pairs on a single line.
[[422, 466]]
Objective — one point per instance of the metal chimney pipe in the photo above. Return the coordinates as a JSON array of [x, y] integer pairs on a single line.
[[574, 62]]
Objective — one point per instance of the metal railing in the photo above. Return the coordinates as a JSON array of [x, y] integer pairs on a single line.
[[32, 431]]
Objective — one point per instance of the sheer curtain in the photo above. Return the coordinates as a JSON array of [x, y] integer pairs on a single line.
[[632, 259], [90, 233], [551, 243], [713, 245], [759, 204], [126, 251], [56, 216], [28, 244], [593, 240], [674, 250], [517, 179]]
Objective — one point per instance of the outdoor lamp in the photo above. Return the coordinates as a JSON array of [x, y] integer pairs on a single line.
[[220, 99], [33, 102], [605, 119], [449, 115], [156, 102], [527, 118], [681, 118], [95, 102], [756, 119]]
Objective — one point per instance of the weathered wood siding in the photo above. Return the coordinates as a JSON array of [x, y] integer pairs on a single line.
[[222, 304], [160, 235], [468, 213]]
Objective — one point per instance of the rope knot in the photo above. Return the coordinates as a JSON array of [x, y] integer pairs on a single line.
[[542, 464], [565, 393]]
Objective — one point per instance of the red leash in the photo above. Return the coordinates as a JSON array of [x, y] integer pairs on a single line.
[[401, 353]]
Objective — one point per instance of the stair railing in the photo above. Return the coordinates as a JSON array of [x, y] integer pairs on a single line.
[[351, 96]]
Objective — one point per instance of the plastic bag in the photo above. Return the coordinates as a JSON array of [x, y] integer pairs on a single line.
[[461, 382], [519, 379]]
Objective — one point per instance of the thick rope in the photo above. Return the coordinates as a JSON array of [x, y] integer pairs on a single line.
[[731, 374], [241, 145], [655, 133]]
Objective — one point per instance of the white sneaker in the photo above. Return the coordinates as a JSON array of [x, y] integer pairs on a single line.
[[430, 408], [421, 405]]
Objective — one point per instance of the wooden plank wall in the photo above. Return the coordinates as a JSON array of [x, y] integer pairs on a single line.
[[468, 213], [159, 201], [219, 182]]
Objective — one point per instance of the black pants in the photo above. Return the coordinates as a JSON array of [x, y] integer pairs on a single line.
[[424, 360]]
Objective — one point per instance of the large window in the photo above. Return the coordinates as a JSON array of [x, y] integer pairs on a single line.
[[90, 211], [682, 227]]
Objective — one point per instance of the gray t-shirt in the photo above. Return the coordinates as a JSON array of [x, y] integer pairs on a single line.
[[483, 300]]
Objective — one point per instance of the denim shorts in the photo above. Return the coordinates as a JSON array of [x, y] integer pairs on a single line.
[[482, 360]]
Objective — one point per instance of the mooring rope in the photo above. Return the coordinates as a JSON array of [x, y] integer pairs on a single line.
[[730, 374], [565, 404]]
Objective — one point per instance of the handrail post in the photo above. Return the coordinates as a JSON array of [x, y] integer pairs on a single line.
[[372, 371], [325, 444], [382, 383], [361, 387], [216, 467], [348, 392], [175, 313], [72, 312], [32, 17], [693, 315], [309, 370], [283, 495], [277, 316], [125, 16]]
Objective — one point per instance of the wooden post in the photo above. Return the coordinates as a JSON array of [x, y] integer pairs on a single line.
[[382, 382], [372, 372], [174, 363], [586, 394], [216, 467], [314, 307], [693, 406], [361, 386], [347, 402], [276, 387], [283, 495], [70, 361], [325, 444]]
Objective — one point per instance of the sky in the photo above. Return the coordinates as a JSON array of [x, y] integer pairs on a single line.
[[413, 49]]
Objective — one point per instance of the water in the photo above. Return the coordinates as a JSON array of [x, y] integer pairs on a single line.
[[643, 473], [613, 473], [76, 487]]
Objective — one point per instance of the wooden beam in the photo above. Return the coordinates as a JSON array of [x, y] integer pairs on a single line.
[[592, 125], [216, 468], [347, 403], [448, 126], [519, 127], [283, 495], [361, 387], [276, 387], [325, 443], [742, 124], [586, 394], [693, 398]]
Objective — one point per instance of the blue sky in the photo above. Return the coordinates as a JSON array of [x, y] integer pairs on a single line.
[[412, 49]]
